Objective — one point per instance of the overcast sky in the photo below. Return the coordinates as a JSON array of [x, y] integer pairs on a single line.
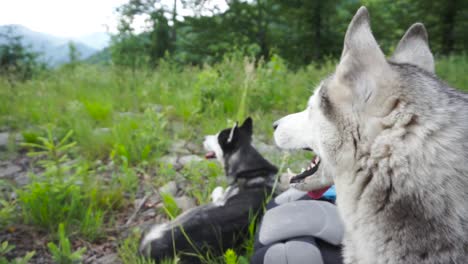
[[65, 18]]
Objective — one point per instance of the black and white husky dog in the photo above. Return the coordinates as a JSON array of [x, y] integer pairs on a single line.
[[224, 222]]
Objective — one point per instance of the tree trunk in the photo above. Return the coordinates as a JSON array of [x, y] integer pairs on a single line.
[[317, 20], [448, 25], [262, 31], [174, 22]]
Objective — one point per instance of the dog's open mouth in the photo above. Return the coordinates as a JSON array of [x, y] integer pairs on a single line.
[[311, 169], [210, 155]]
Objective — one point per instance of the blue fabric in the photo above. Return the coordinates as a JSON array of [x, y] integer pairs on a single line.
[[330, 194]]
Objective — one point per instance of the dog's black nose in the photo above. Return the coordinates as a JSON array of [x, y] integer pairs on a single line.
[[275, 125]]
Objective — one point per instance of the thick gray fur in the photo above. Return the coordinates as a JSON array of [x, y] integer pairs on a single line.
[[394, 138]]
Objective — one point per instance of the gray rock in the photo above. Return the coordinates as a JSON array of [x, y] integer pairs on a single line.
[[185, 203], [177, 125], [184, 160], [179, 147], [112, 258], [4, 139], [153, 200], [137, 202], [170, 188], [193, 148], [149, 213], [22, 179], [172, 160], [9, 170], [146, 225], [19, 138]]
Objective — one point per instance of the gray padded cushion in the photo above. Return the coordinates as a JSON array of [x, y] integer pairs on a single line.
[[289, 195], [302, 218], [276, 254], [293, 252]]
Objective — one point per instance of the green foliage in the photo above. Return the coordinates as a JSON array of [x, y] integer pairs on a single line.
[[203, 178], [5, 248], [127, 50], [31, 136], [48, 203], [128, 250], [98, 111], [170, 207], [17, 62], [140, 137], [153, 45], [248, 245], [8, 213], [56, 153], [300, 31], [230, 257], [165, 172], [452, 69], [73, 55], [58, 195], [63, 252]]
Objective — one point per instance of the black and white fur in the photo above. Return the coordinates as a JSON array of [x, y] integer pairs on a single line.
[[223, 223]]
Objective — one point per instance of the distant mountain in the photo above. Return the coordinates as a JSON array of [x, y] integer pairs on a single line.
[[55, 50], [98, 40]]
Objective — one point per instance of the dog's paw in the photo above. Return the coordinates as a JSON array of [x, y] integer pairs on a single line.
[[217, 195]]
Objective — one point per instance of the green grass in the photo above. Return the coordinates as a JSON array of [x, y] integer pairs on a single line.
[[122, 125], [5, 248], [63, 253], [453, 70]]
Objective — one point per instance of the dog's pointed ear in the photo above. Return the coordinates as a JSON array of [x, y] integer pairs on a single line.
[[231, 133], [361, 56], [247, 126], [414, 49]]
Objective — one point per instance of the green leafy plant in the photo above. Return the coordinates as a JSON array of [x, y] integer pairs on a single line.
[[47, 203], [203, 178], [55, 153], [139, 137], [170, 206], [8, 212], [5, 248], [166, 172], [128, 251], [91, 223], [230, 257], [98, 111], [63, 252], [59, 196]]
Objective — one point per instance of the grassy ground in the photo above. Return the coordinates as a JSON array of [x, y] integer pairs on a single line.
[[96, 135]]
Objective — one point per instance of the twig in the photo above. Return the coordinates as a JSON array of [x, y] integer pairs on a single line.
[[137, 209]]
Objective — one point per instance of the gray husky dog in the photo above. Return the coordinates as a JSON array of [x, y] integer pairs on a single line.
[[394, 140]]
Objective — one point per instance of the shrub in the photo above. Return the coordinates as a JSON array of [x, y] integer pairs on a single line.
[[62, 253]]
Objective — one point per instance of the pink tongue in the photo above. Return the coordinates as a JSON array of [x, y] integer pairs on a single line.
[[210, 155], [317, 193]]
